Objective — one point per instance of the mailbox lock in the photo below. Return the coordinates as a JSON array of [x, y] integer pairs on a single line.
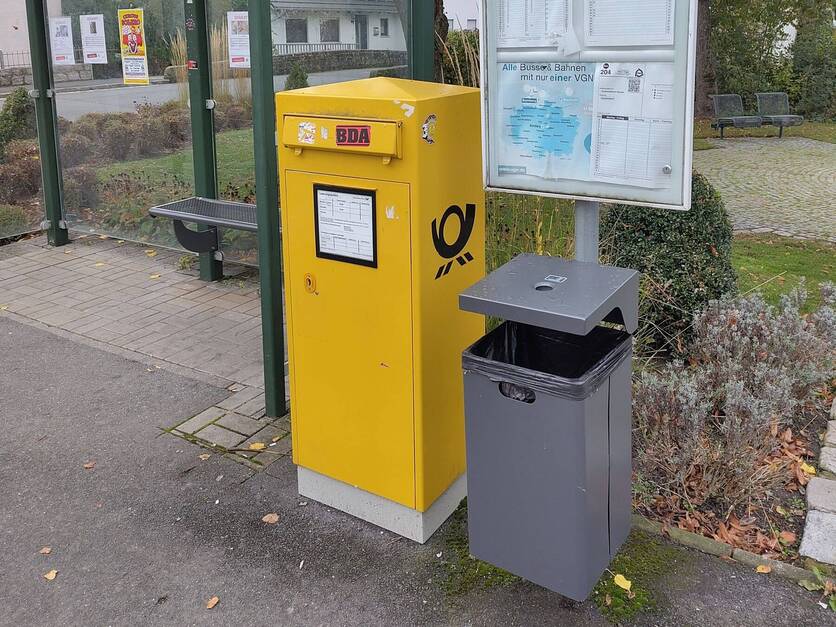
[[310, 283]]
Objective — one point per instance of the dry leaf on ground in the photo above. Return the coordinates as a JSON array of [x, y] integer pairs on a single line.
[[271, 519], [807, 468], [205, 456], [99, 264], [151, 252], [89, 466], [787, 537], [3, 307], [154, 276], [51, 575], [764, 569], [212, 603], [257, 446], [622, 582], [46, 550]]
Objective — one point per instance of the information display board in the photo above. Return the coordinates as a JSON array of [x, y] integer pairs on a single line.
[[590, 99], [346, 225]]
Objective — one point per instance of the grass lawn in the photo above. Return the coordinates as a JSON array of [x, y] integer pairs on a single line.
[[820, 131], [775, 265]]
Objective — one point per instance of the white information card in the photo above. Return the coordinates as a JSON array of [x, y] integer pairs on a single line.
[[93, 43], [345, 225]]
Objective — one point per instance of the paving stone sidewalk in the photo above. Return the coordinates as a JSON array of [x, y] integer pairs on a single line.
[[819, 539], [784, 186], [131, 297]]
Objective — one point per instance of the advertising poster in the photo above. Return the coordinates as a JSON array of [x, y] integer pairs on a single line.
[[132, 43], [93, 45], [238, 34], [61, 40]]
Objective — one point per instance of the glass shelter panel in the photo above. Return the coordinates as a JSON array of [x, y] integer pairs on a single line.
[[21, 208]]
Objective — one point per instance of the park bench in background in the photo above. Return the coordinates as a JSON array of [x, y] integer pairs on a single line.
[[728, 111], [774, 108], [206, 212]]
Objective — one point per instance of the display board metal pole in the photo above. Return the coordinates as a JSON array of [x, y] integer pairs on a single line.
[[586, 230], [421, 41], [44, 96], [267, 194], [203, 124]]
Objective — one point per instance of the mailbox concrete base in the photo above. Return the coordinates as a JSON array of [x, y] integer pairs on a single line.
[[394, 517]]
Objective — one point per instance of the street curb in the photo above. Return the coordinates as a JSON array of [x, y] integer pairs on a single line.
[[721, 549]]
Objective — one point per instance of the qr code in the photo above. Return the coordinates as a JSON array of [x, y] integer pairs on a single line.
[[634, 85]]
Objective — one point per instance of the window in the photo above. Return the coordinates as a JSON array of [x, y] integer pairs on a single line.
[[471, 24], [296, 31], [384, 27], [329, 30]]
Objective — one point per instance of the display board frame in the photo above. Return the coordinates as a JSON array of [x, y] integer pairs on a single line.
[[347, 257], [682, 54]]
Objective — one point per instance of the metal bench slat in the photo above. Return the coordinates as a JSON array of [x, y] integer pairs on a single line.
[[222, 213]]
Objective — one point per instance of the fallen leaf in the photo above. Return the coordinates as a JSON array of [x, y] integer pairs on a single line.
[[121, 241], [154, 276], [102, 236], [3, 307], [51, 575], [46, 550], [257, 446], [212, 603], [271, 519], [763, 569], [781, 511], [622, 582], [608, 600], [99, 264], [807, 468], [151, 252], [89, 466], [205, 456], [787, 537]]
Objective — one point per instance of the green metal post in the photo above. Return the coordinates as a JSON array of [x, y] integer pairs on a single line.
[[267, 194], [422, 40], [47, 118], [203, 123]]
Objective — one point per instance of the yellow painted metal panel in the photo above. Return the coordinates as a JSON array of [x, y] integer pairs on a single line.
[[352, 353]]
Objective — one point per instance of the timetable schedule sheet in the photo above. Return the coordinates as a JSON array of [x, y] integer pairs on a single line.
[[534, 23], [632, 126], [616, 23]]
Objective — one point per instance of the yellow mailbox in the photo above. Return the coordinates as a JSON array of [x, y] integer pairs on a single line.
[[383, 218]]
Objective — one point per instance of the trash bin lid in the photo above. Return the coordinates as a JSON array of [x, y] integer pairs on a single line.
[[559, 294]]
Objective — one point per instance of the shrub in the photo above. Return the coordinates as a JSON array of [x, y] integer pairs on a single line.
[[12, 220], [152, 137], [297, 79], [90, 125], [17, 118], [814, 61], [237, 117], [81, 188], [117, 139], [75, 150], [178, 127], [20, 173], [685, 259], [705, 429]]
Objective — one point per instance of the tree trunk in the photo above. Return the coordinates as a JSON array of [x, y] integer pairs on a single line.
[[442, 27], [703, 107]]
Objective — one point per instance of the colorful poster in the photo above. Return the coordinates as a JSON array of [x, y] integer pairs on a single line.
[[132, 43], [238, 36], [93, 45], [61, 40]]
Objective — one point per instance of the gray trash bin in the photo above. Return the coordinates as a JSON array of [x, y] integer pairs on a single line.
[[547, 406]]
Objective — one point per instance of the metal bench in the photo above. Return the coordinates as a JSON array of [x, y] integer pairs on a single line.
[[774, 108], [206, 212], [728, 111]]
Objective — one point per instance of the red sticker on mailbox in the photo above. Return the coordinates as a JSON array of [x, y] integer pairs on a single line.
[[354, 135]]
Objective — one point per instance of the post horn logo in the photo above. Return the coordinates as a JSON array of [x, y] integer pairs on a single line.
[[453, 251]]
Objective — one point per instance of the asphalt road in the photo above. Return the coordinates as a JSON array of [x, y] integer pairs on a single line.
[[115, 99], [152, 532]]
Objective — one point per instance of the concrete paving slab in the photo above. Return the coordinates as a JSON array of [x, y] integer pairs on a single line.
[[241, 424], [827, 459], [821, 495], [818, 539], [219, 436]]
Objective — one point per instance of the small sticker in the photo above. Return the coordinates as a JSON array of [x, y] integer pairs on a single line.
[[307, 133], [324, 132], [554, 278], [354, 135], [428, 129], [192, 64]]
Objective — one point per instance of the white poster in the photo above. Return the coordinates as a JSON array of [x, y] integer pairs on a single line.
[[632, 129], [614, 23], [61, 40], [536, 23], [238, 35], [93, 44]]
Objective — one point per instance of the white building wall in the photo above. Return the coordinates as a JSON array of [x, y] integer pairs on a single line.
[[461, 12], [395, 41], [14, 32]]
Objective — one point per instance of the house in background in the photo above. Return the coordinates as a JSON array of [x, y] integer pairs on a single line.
[[463, 14], [323, 25], [14, 33]]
